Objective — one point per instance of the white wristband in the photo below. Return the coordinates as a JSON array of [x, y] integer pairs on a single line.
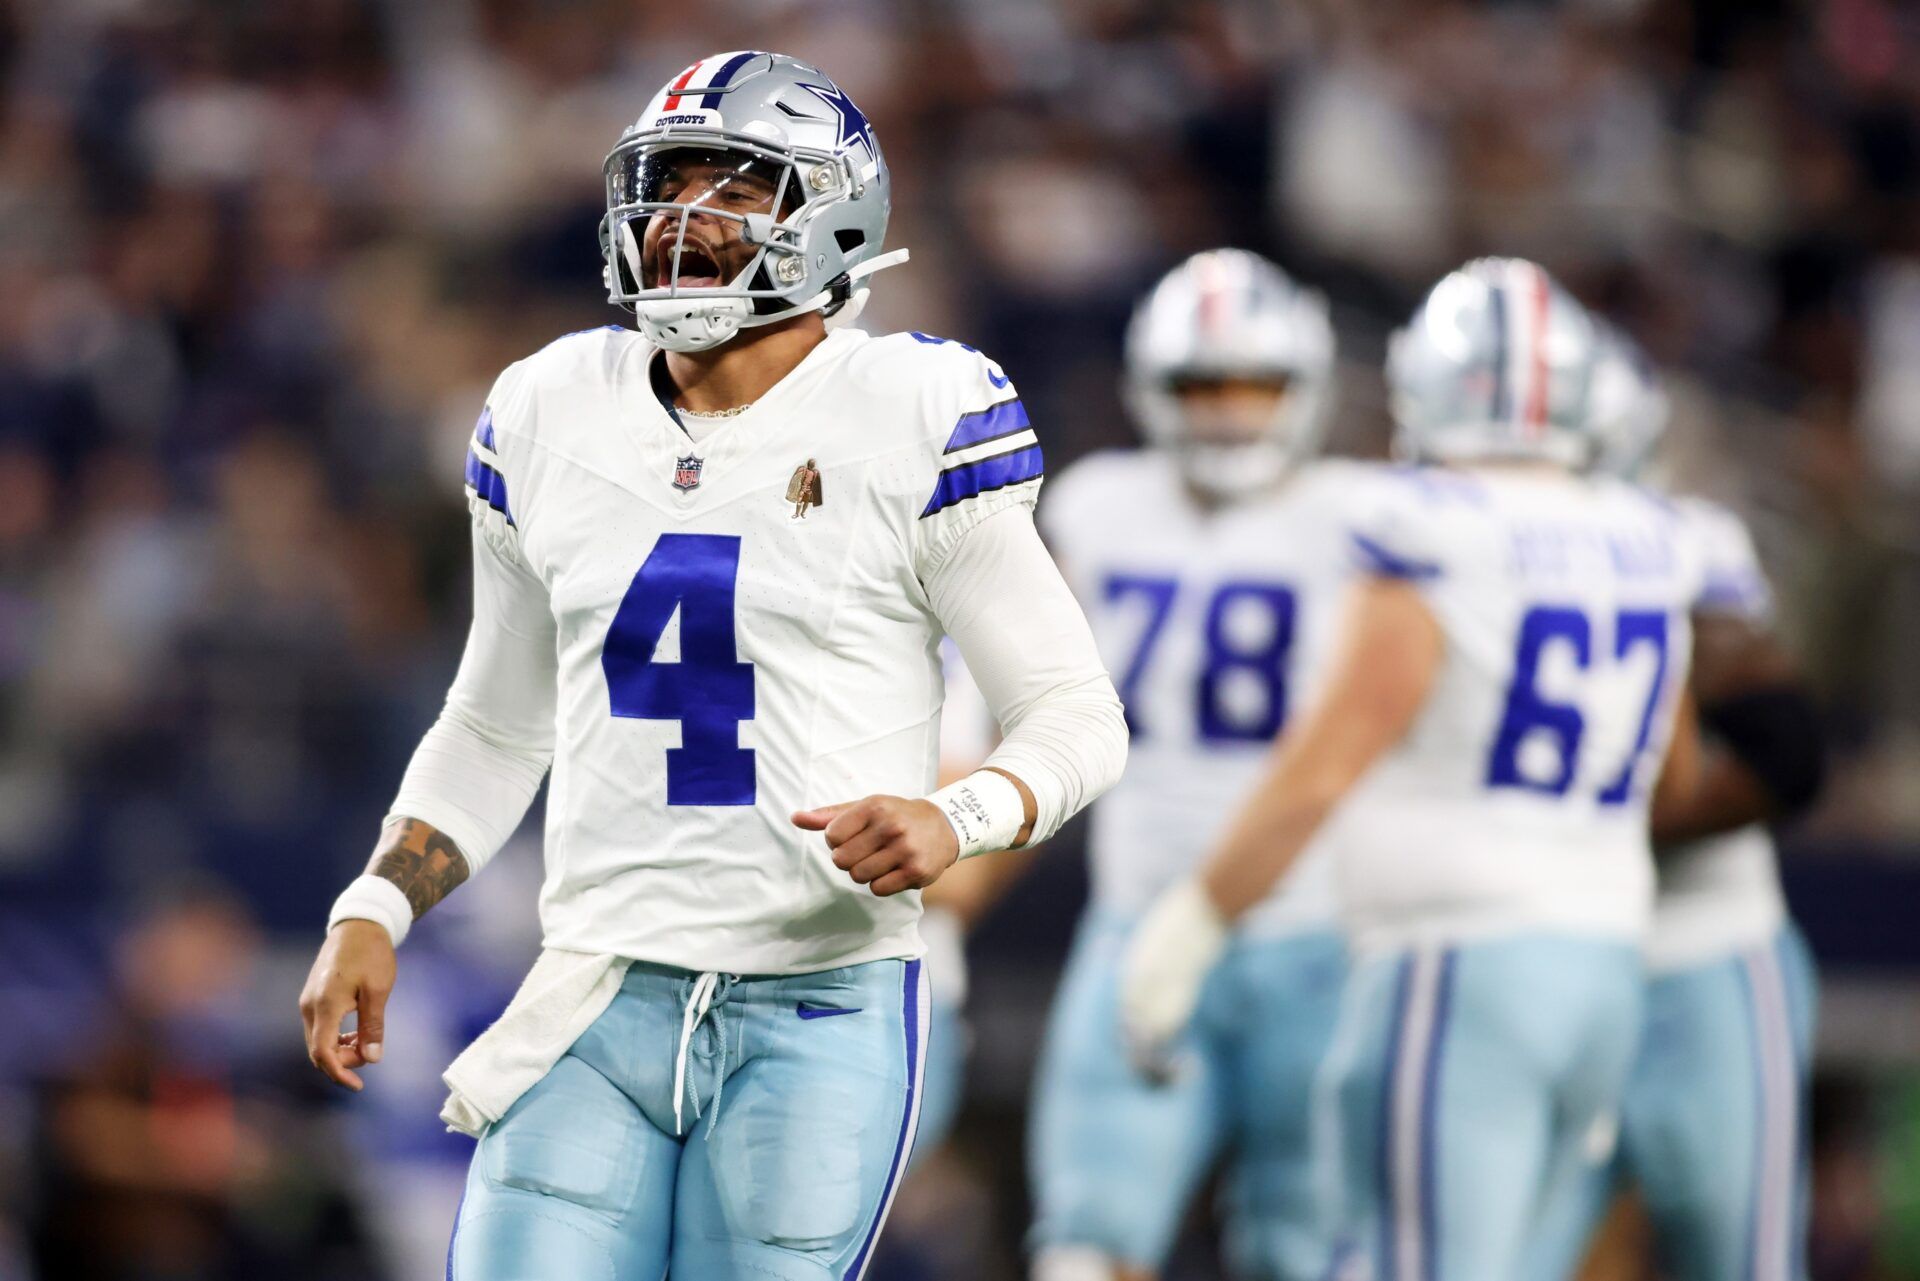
[[374, 898], [985, 811]]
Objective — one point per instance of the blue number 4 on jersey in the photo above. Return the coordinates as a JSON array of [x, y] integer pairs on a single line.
[[709, 691]]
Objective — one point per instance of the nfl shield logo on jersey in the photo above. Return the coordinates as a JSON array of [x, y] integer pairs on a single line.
[[686, 473]]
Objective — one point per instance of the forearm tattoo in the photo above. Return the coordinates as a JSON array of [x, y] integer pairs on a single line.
[[421, 860]]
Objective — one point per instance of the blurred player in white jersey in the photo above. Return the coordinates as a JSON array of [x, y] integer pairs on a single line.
[[1502, 698], [713, 562], [1713, 1131], [1211, 566]]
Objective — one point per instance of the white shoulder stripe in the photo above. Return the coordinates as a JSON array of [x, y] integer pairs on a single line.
[[987, 449]]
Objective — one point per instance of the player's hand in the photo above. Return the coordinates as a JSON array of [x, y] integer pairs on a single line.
[[889, 843], [1166, 962], [354, 972]]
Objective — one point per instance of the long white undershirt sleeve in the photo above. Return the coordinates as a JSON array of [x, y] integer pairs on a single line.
[[477, 769], [1027, 643]]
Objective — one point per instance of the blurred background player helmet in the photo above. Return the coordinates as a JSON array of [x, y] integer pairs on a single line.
[[1498, 362], [1629, 407], [1221, 320], [787, 159]]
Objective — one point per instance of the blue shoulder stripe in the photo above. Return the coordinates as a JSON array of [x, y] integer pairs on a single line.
[[489, 484], [1731, 591], [483, 430], [1377, 560], [1008, 418], [958, 484]]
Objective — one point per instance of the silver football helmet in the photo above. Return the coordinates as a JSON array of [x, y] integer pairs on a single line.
[[1498, 362], [1629, 407], [750, 190], [1227, 315]]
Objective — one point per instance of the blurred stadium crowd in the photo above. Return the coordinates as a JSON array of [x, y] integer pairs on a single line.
[[260, 260]]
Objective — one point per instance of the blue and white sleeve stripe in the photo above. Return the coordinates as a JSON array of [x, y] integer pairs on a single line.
[[1747, 595], [484, 480], [1379, 561], [988, 449]]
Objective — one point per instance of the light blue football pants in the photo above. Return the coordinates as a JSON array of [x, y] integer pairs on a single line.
[[798, 1101], [1463, 1082], [1713, 1131], [1115, 1159]]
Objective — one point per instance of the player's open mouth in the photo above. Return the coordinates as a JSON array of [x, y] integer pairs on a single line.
[[698, 270]]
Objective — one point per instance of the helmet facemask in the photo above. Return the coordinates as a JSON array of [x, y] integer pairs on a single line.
[[1232, 435], [701, 240]]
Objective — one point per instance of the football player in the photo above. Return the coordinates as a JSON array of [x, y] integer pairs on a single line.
[[1713, 1128], [713, 563], [1211, 565], [1507, 680]]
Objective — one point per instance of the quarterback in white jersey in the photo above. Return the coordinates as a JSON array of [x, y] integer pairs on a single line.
[[1211, 565], [1490, 734], [713, 563], [1713, 1127]]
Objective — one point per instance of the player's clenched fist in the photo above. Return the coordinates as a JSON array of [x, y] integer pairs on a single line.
[[890, 843], [354, 971]]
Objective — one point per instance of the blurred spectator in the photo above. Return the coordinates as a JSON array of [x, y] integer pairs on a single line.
[[162, 1152]]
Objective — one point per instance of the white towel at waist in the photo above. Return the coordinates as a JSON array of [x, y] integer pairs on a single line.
[[557, 1002]]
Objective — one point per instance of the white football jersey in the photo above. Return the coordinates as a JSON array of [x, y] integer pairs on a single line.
[[1215, 624], [1518, 799], [741, 629], [1720, 895]]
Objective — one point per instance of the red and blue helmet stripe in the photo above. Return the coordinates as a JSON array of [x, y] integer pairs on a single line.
[[707, 78]]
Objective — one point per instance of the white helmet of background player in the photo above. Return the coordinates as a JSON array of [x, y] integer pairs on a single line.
[[1630, 409], [1228, 318], [750, 190], [1498, 362]]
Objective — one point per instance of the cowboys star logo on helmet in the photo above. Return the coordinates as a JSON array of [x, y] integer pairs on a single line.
[[853, 122], [750, 190]]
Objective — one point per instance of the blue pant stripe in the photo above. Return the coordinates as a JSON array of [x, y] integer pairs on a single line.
[[453, 1241], [1801, 1017], [1777, 1078], [1429, 1114], [1751, 1270], [1413, 1068], [1402, 990], [903, 1146]]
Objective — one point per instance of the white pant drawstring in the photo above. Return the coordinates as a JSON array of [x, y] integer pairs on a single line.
[[707, 991]]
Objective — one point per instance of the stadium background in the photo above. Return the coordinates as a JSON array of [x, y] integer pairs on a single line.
[[259, 260]]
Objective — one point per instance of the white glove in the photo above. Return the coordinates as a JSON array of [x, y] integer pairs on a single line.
[[946, 958], [1168, 959]]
